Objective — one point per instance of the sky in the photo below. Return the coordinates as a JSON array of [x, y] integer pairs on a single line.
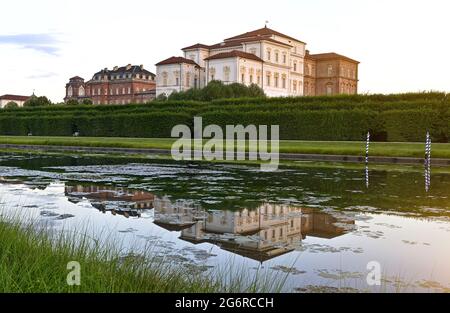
[[403, 45]]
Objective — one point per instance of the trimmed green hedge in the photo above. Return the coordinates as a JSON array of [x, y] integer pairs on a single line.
[[404, 117], [158, 124]]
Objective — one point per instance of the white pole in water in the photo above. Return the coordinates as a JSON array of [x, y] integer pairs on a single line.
[[367, 159], [367, 147], [427, 162]]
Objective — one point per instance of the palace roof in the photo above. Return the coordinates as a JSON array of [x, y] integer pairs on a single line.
[[265, 31], [129, 69], [234, 54], [177, 60], [14, 98], [329, 56]]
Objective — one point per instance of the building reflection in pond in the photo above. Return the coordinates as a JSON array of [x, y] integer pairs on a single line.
[[260, 234], [117, 200], [269, 231]]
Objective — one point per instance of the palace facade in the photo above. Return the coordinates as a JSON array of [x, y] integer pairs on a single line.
[[121, 85], [19, 100], [278, 63]]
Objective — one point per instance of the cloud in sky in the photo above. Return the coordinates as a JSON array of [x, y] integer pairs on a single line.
[[42, 75], [45, 43]]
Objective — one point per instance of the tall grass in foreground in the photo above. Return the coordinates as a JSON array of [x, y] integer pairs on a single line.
[[32, 259]]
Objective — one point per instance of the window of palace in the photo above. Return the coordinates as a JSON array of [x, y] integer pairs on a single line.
[[283, 82], [329, 89], [70, 91], [226, 71], [268, 54], [276, 81], [294, 85], [276, 56], [284, 58], [295, 66], [330, 70], [251, 79], [258, 79]]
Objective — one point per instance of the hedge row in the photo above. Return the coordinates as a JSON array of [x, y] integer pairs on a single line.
[[120, 125], [395, 125], [388, 118]]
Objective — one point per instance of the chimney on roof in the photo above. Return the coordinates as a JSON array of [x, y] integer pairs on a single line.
[[142, 66], [307, 52], [116, 68], [128, 67]]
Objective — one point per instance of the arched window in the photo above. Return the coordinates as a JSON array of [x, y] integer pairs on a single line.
[[81, 91], [70, 91], [330, 70]]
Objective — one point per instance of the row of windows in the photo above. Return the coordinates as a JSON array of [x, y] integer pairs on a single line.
[[124, 76], [348, 72], [276, 56], [117, 91], [128, 101], [165, 81]]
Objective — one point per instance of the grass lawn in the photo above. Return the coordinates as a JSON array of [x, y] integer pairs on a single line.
[[34, 260], [394, 149]]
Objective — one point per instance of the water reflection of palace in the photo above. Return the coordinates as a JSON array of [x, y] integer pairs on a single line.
[[261, 234], [264, 233], [117, 200]]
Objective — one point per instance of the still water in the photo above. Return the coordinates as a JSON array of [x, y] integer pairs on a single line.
[[317, 225]]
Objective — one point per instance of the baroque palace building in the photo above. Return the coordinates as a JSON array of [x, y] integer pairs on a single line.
[[121, 85], [278, 63]]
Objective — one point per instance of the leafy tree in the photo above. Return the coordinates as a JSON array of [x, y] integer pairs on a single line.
[[72, 102], [218, 90], [35, 101], [87, 101], [162, 97], [11, 105]]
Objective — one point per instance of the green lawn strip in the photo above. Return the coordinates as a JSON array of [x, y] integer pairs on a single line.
[[389, 149]]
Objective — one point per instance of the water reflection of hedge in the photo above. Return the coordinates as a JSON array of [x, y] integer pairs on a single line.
[[404, 117]]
